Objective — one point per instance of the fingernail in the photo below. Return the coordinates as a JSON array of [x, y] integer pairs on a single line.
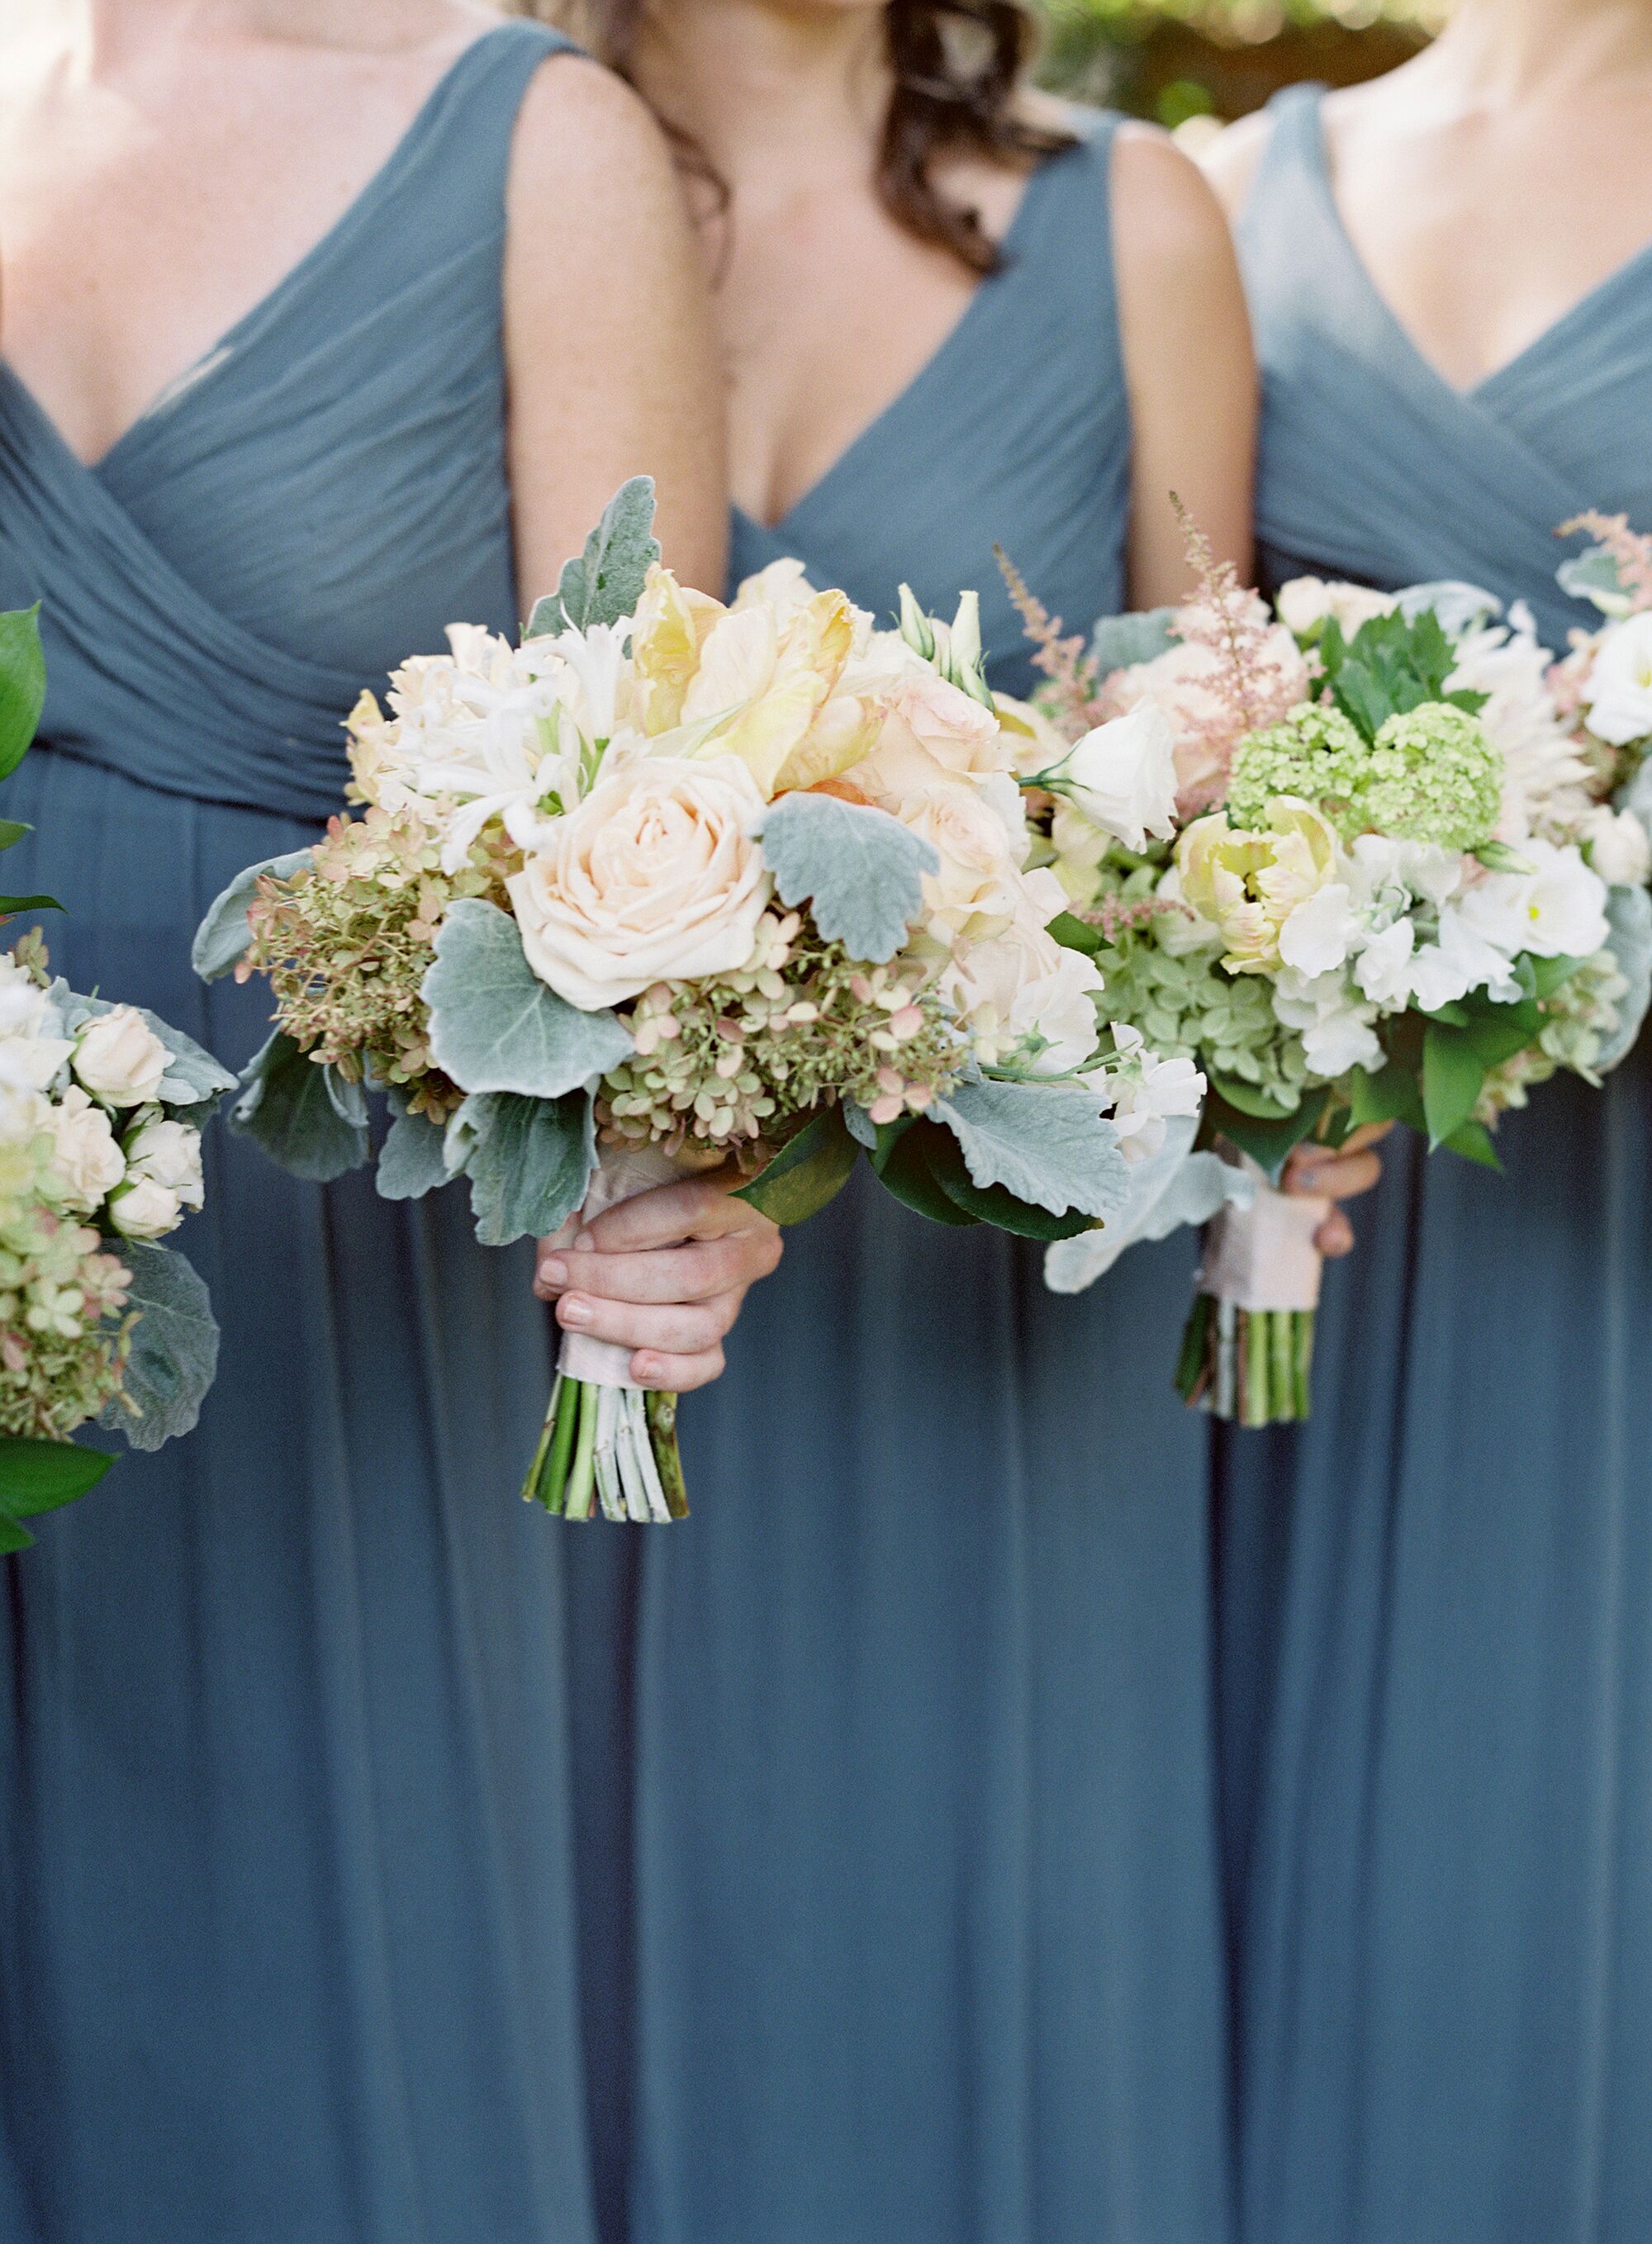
[[583, 1243], [574, 1311], [553, 1271], [646, 1370]]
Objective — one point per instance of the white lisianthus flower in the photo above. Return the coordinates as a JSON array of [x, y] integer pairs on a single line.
[[1336, 1027], [167, 1154], [1144, 1092], [1122, 776], [120, 1059], [1618, 693], [1618, 846], [143, 1209], [1306, 602], [654, 877], [86, 1161], [1557, 910]]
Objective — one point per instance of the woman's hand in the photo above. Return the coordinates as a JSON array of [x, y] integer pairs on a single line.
[[1336, 1173], [663, 1275]]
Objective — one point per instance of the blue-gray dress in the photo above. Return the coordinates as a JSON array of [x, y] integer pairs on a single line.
[[899, 1862], [1437, 1598], [286, 1941]]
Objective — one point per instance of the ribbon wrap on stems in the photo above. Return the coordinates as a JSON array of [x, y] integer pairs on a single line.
[[1248, 1346]]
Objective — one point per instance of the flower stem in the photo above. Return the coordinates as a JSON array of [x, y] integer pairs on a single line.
[[662, 1439], [582, 1480]]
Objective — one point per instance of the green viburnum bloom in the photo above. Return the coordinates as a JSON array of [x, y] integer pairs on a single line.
[[1315, 754], [1432, 776]]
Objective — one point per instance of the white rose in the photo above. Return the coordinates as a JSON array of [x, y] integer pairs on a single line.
[[654, 877], [1619, 849], [86, 1157], [1122, 776], [1557, 910], [167, 1154], [119, 1057], [1020, 986], [1307, 601], [976, 889], [145, 1210], [1619, 693]]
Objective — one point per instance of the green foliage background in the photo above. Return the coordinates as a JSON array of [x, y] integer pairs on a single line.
[[1174, 59]]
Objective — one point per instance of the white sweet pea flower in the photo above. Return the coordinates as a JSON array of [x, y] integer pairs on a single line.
[[1319, 935], [1557, 910], [85, 1159], [1618, 846], [1122, 776], [1335, 1027], [1384, 968], [1388, 875], [1144, 1092], [120, 1059], [1457, 962], [167, 1154], [1618, 694]]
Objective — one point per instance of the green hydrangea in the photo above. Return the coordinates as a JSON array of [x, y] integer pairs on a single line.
[[1188, 1007], [1432, 776], [1314, 753]]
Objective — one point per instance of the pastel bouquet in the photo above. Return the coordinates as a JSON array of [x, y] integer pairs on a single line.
[[673, 885], [100, 1112], [1393, 887]]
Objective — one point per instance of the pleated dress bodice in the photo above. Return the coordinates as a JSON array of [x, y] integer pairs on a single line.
[[1435, 1599], [286, 1939], [898, 1873]]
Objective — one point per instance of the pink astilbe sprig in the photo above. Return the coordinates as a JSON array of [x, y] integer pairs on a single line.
[[1256, 682], [1631, 551], [1080, 703], [1115, 915]]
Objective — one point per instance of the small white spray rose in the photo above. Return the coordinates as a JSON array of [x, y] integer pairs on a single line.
[[143, 1209], [1306, 601], [168, 1154], [1122, 776], [1619, 693], [1619, 849], [85, 1159], [120, 1059]]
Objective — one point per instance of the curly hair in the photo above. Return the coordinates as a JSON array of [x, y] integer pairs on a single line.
[[958, 67]]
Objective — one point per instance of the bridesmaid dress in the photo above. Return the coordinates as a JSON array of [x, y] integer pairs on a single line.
[[1437, 1597], [897, 1856], [287, 1951]]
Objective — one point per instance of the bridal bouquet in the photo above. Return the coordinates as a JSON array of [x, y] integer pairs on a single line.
[[100, 1113], [670, 885], [1392, 888]]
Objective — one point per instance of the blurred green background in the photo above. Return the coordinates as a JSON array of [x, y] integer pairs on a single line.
[[1174, 60]]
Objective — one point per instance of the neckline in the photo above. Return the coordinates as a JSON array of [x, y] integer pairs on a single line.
[[1465, 393], [258, 315], [989, 289]]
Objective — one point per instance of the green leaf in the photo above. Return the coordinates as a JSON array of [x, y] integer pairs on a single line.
[[811, 1168], [1453, 1076], [23, 684], [1048, 1143], [606, 583], [903, 1170], [1498, 1033], [303, 1114], [39, 1476], [1120, 642], [1074, 934], [222, 938], [1269, 1143], [1391, 1095], [495, 1026], [174, 1346], [413, 1159], [1249, 1099], [1473, 1142], [11, 832], [993, 1203], [1548, 975], [530, 1161], [9, 904], [859, 870], [13, 1537]]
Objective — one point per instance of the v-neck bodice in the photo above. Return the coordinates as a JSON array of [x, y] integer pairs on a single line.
[[1015, 433], [1373, 465], [318, 498]]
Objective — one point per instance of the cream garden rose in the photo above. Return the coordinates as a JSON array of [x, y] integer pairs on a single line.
[[120, 1059], [654, 877], [85, 1159], [167, 1154]]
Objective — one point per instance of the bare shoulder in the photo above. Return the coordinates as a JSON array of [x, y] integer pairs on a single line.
[[581, 132], [1166, 217], [1232, 161]]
